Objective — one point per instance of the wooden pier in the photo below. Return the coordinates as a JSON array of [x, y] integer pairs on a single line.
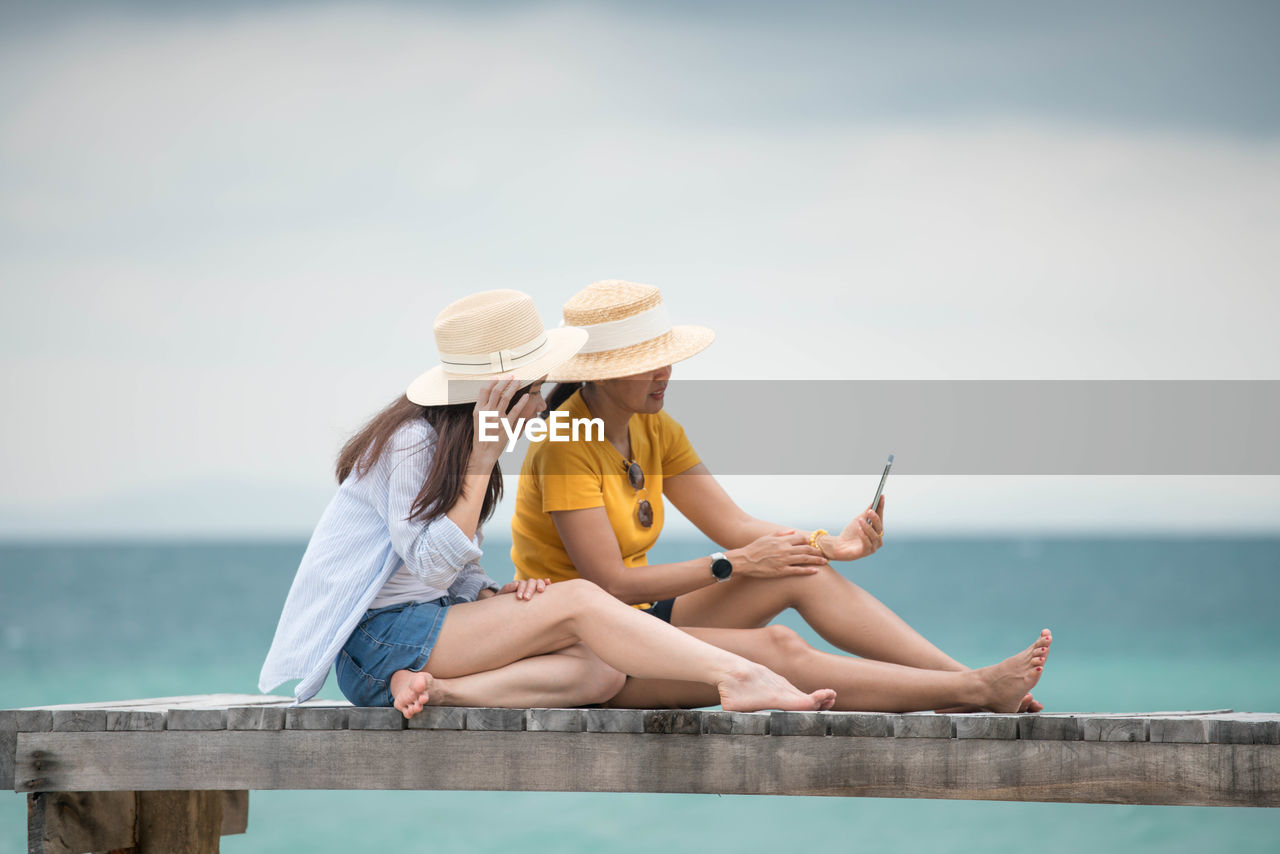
[[173, 773]]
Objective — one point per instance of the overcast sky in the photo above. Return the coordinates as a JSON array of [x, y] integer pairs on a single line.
[[225, 232]]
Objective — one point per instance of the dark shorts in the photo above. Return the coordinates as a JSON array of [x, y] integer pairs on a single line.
[[397, 637], [662, 610]]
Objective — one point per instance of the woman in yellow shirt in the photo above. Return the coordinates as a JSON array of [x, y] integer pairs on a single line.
[[594, 508]]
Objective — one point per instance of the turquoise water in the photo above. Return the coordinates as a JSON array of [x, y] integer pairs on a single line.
[[1139, 625]]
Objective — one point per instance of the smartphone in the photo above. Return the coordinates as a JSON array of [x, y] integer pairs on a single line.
[[880, 488]]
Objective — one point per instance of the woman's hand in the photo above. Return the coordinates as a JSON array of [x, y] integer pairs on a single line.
[[525, 588], [860, 537], [495, 396], [775, 555]]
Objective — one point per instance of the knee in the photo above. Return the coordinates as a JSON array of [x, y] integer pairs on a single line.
[[580, 591], [785, 642], [602, 682], [593, 681], [826, 583]]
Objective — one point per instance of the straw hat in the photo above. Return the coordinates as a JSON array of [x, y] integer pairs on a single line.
[[629, 333], [487, 335]]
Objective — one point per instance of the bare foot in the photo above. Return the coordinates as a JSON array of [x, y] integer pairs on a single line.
[[756, 688], [1028, 704], [1008, 682], [411, 690]]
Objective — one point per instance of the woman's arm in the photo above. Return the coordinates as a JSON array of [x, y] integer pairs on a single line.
[[592, 546], [495, 396], [699, 496], [439, 549], [435, 550]]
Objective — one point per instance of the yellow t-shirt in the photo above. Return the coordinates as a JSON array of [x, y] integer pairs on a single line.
[[591, 473]]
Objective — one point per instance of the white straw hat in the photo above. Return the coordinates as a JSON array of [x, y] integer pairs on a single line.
[[629, 332], [487, 335]]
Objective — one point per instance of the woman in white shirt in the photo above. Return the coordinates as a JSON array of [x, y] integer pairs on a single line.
[[390, 587]]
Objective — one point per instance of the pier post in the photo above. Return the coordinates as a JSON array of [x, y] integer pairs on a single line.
[[133, 822]]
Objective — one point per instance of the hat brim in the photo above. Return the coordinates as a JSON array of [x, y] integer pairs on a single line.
[[670, 347], [438, 387]]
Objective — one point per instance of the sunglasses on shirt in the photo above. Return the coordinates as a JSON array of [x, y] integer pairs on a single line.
[[644, 510]]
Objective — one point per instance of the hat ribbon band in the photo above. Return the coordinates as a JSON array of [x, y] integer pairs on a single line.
[[497, 361], [636, 329]]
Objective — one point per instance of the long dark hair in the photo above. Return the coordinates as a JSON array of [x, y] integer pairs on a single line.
[[561, 393], [454, 428]]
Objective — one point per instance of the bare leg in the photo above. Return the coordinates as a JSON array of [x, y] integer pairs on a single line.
[[860, 685], [840, 611], [574, 676], [492, 633]]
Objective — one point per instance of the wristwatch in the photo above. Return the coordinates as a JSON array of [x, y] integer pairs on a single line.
[[720, 567]]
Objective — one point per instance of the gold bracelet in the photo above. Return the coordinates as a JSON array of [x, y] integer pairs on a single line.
[[813, 541]]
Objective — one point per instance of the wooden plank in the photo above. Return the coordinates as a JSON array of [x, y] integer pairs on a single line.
[[861, 724], [8, 748], [187, 701], [735, 723], [324, 704], [1242, 730], [134, 721], [985, 726], [235, 812], [74, 822], [495, 720], [673, 721], [196, 719], [13, 721], [556, 720], [26, 720], [1166, 714], [187, 821], [1179, 731], [922, 726], [382, 718], [797, 723], [1113, 729], [987, 769], [615, 720], [1048, 728], [79, 720], [315, 717], [255, 717], [440, 717]]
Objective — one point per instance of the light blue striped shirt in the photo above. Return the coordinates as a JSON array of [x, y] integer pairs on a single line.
[[363, 537]]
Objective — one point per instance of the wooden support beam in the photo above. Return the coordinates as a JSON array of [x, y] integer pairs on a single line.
[[76, 822], [915, 765], [235, 811], [169, 821], [136, 822]]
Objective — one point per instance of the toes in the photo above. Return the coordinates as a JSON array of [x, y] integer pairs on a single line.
[[823, 699]]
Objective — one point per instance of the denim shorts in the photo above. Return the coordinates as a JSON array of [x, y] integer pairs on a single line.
[[397, 637]]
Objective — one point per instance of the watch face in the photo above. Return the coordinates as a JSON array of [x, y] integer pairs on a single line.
[[721, 568]]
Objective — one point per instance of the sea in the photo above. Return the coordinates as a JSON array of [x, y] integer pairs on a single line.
[[1140, 624]]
